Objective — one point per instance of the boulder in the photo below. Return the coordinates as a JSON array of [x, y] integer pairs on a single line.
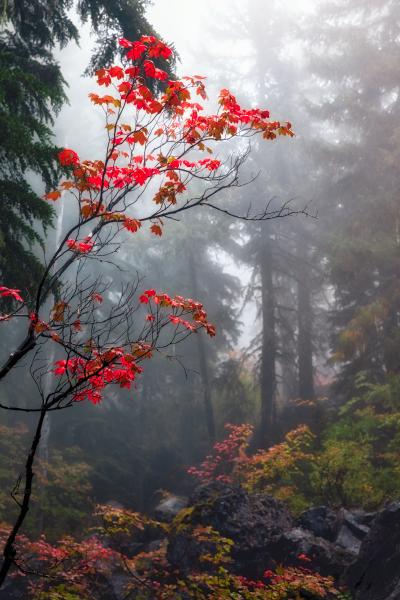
[[375, 575], [248, 519], [322, 521], [263, 531], [14, 589], [353, 529], [251, 521], [298, 547], [345, 528]]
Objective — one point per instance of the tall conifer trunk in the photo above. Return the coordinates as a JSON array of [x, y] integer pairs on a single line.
[[202, 354], [304, 320], [268, 351]]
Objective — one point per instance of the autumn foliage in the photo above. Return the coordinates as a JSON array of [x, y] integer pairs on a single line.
[[222, 464], [160, 141], [71, 569], [157, 145]]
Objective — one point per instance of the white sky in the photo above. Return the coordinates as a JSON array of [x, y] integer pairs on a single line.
[[189, 25], [186, 23]]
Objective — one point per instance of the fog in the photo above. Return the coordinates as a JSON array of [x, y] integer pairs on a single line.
[[282, 226]]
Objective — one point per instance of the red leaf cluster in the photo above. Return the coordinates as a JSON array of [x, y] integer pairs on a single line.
[[68, 157], [180, 307], [111, 367], [83, 247], [219, 465], [6, 292]]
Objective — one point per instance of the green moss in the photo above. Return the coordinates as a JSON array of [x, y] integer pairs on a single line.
[[183, 519]]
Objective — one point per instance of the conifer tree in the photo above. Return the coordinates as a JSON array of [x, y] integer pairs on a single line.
[[32, 90]]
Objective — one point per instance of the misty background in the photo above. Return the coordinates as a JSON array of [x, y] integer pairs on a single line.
[[306, 307]]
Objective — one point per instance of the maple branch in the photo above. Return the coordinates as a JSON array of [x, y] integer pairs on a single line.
[[266, 215], [9, 551]]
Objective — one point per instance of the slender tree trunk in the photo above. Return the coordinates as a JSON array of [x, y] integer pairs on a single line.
[[204, 372], [188, 431], [43, 456], [289, 376], [141, 429], [268, 373], [9, 551], [26, 346], [304, 320], [203, 366]]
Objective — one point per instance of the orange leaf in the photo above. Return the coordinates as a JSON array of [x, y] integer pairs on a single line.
[[86, 210], [53, 195], [156, 229], [41, 326], [95, 98], [67, 185], [132, 224], [140, 137], [58, 311]]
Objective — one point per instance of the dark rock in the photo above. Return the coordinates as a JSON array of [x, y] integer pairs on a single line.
[[247, 519], [184, 552], [362, 517], [321, 555], [358, 521], [375, 575], [346, 539], [119, 583], [154, 545], [346, 528], [265, 535], [352, 530], [322, 521], [14, 589], [395, 595], [251, 521], [105, 589]]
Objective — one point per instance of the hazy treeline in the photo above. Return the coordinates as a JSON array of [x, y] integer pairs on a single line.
[[306, 307]]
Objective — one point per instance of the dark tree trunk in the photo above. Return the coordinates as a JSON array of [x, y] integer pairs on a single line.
[[9, 551], [203, 366], [26, 346], [305, 349], [265, 435]]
